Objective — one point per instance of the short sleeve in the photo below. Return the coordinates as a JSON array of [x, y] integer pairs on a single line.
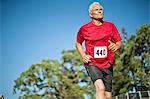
[[80, 37], [116, 35]]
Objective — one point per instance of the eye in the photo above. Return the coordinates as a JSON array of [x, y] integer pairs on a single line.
[[96, 9]]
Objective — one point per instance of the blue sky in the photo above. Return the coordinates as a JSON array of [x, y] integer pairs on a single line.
[[33, 30], [0, 47]]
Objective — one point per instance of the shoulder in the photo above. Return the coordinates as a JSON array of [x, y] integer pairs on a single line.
[[85, 26], [108, 23]]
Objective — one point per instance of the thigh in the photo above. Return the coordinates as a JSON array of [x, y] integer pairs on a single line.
[[94, 72], [108, 74]]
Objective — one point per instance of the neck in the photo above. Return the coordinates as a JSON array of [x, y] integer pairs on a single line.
[[97, 22]]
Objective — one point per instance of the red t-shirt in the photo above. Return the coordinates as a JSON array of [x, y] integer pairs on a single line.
[[96, 42]]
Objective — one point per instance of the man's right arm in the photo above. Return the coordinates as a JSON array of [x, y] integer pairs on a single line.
[[80, 49], [85, 58]]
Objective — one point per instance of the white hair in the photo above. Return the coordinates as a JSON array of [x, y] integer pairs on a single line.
[[94, 3]]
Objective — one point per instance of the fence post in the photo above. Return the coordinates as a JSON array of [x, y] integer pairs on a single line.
[[127, 94], [148, 94], [116, 97], [140, 94]]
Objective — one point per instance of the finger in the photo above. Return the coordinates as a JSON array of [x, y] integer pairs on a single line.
[[114, 50], [90, 56], [110, 41], [111, 46], [85, 62], [86, 59]]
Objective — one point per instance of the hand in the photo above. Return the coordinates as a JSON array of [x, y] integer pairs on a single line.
[[86, 58], [112, 46]]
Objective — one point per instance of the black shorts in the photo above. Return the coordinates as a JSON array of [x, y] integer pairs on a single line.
[[105, 74]]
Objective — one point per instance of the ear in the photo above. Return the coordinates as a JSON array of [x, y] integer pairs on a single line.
[[90, 14]]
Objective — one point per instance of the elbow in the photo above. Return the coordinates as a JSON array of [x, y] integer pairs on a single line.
[[77, 45]]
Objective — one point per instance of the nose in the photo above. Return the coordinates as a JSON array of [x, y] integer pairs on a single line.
[[99, 11]]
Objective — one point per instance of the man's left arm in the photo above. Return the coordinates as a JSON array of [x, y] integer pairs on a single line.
[[117, 44]]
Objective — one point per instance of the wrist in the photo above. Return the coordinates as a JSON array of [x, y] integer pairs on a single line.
[[82, 55], [117, 46]]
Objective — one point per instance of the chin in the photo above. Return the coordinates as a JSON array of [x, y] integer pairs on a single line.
[[97, 18], [100, 18]]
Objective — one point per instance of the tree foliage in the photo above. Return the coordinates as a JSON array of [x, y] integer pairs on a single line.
[[67, 79], [133, 62], [52, 79]]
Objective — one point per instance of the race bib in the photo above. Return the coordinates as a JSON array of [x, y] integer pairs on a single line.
[[100, 52]]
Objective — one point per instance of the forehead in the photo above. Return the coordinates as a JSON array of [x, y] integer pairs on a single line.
[[96, 6]]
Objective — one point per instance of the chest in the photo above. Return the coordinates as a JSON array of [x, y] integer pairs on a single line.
[[98, 34]]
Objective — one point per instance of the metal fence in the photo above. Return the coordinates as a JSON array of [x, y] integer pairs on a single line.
[[135, 95]]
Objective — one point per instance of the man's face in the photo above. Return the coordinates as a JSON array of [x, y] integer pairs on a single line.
[[96, 12]]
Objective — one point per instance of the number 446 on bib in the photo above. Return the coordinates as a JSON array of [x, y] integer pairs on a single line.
[[100, 52]]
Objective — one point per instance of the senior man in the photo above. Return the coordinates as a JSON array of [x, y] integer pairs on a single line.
[[101, 41]]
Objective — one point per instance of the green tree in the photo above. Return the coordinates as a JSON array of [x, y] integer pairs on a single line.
[[67, 79], [52, 79], [133, 62]]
